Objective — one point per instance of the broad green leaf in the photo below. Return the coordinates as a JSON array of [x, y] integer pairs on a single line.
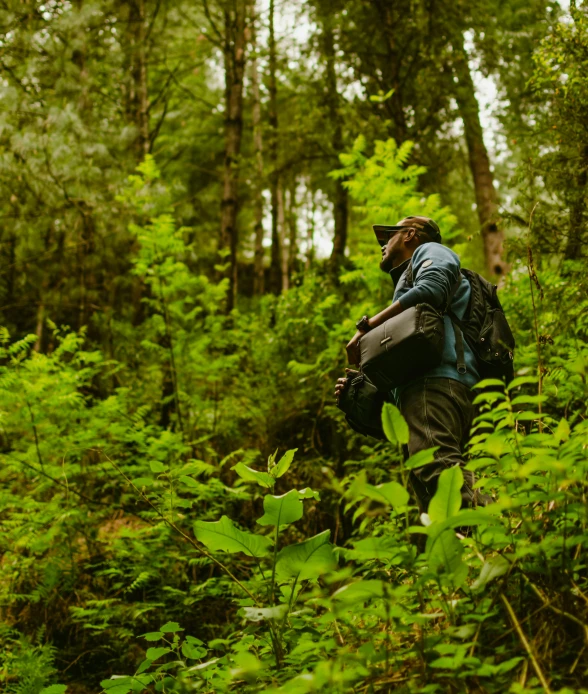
[[444, 553], [360, 591], [562, 433], [139, 683], [493, 568], [528, 399], [143, 481], [223, 536], [308, 559], [521, 381], [394, 424], [281, 510], [463, 518], [246, 666], [171, 628], [156, 466], [308, 493], [447, 499], [489, 382], [153, 636], [421, 458], [54, 689], [260, 614], [490, 398], [193, 652], [264, 479], [390, 493], [145, 665], [284, 463], [496, 445], [382, 548], [117, 685], [156, 653], [190, 481]]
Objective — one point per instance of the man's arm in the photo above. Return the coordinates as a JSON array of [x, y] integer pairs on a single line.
[[435, 270], [353, 354]]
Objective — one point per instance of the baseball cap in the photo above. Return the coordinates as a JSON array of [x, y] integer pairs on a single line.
[[429, 226]]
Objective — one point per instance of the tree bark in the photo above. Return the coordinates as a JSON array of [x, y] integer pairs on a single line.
[[258, 265], [486, 196], [293, 229], [310, 230], [577, 209], [234, 62], [394, 105], [333, 102], [283, 237], [276, 251], [138, 91]]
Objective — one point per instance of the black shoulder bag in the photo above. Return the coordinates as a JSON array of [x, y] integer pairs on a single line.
[[408, 345]]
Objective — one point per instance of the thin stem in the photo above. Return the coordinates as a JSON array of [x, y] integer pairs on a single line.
[[273, 585], [39, 457], [525, 642]]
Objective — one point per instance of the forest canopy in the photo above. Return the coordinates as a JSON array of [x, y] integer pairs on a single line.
[[187, 194]]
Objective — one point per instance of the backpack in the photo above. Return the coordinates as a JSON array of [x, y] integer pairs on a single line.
[[484, 327]]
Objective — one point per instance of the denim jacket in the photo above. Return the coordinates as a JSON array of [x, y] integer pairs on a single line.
[[435, 271]]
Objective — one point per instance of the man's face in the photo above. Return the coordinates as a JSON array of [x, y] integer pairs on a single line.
[[393, 251]]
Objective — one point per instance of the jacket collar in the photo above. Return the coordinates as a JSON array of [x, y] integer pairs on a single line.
[[397, 272]]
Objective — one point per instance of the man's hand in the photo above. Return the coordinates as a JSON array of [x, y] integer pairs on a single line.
[[353, 353], [342, 383]]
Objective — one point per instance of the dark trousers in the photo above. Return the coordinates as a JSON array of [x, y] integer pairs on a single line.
[[439, 412]]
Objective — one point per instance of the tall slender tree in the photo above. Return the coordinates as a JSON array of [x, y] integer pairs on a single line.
[[334, 102], [258, 262], [485, 190], [234, 43], [276, 248]]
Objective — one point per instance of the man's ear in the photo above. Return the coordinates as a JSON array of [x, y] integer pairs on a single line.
[[410, 235]]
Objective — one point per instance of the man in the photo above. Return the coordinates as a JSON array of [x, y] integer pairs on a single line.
[[438, 405]]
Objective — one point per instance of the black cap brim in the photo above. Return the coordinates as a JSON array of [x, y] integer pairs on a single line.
[[382, 231]]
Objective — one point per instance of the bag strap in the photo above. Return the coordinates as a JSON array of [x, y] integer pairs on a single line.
[[457, 329]]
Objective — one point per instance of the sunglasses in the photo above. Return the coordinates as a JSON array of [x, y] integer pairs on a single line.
[[384, 232]]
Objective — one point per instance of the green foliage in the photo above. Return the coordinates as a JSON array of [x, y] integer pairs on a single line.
[[138, 525]]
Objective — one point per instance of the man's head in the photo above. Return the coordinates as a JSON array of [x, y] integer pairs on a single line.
[[399, 241]]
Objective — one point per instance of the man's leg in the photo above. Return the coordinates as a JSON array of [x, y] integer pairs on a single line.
[[439, 413]]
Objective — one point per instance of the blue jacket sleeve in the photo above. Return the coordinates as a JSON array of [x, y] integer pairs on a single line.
[[435, 270]]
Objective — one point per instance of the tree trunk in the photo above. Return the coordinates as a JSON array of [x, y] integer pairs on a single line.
[[293, 228], [283, 237], [394, 105], [486, 196], [577, 209], [333, 101], [138, 92], [258, 266], [276, 254], [310, 231], [234, 61]]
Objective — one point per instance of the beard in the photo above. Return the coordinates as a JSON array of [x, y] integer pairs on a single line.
[[386, 263]]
